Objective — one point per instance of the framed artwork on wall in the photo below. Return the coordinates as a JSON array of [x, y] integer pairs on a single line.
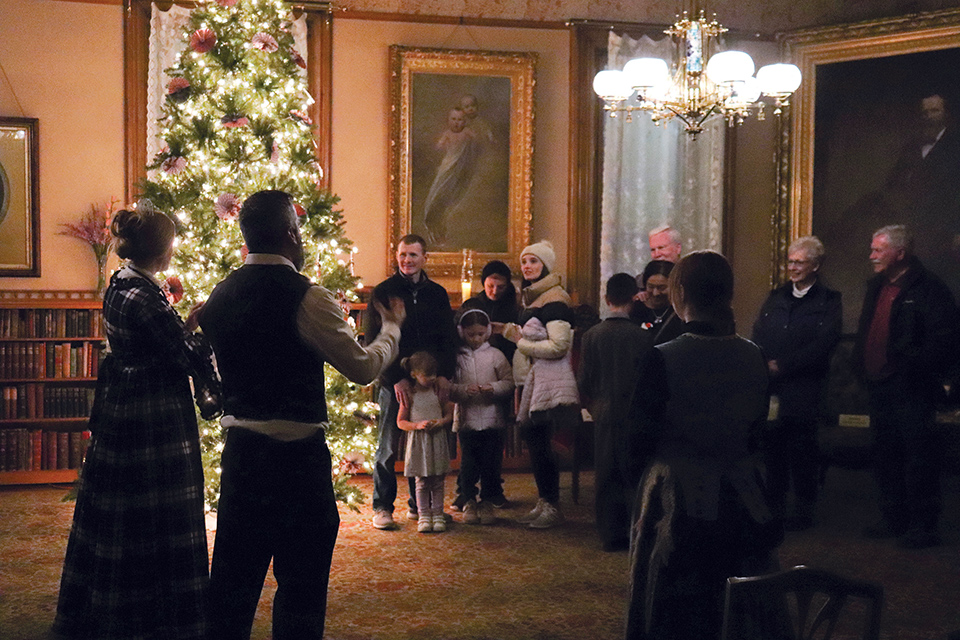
[[19, 197], [875, 140], [462, 151]]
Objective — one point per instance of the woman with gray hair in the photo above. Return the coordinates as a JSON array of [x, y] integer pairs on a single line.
[[797, 328]]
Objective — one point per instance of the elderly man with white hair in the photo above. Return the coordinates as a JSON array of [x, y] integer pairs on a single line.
[[798, 327], [906, 340], [665, 244]]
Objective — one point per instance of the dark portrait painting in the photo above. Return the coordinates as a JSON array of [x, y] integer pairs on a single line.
[[460, 145], [887, 151], [462, 153]]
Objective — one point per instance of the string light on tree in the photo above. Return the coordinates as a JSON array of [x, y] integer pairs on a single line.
[[231, 128]]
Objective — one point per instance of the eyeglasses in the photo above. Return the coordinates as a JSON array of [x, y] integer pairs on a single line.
[[797, 263]]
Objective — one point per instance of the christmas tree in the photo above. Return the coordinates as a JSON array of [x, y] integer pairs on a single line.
[[235, 122]]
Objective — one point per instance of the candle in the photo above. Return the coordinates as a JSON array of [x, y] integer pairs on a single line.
[[465, 287]]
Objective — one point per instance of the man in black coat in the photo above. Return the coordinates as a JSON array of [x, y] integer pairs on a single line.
[[905, 342], [428, 327]]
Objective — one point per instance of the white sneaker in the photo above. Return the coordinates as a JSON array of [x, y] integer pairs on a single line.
[[413, 515], [471, 514], [534, 513], [487, 516], [425, 524], [439, 523], [383, 520], [549, 517]]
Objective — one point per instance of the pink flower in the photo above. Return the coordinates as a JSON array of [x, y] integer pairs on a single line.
[[203, 40], [265, 42], [173, 289], [173, 165], [227, 207], [94, 228]]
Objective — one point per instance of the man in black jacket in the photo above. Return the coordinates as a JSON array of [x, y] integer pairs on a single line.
[[905, 342], [428, 327]]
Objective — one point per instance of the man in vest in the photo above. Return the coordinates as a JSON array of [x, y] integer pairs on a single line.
[[272, 330]]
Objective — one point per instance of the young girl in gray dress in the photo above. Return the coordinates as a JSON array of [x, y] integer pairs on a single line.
[[428, 453]]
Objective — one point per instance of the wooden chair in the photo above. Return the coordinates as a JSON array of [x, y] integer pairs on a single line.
[[762, 606]]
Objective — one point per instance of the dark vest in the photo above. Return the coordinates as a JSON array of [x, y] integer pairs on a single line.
[[268, 372]]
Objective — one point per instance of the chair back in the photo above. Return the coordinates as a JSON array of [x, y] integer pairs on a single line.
[[801, 603]]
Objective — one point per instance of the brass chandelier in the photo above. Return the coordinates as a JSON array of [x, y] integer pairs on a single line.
[[704, 84]]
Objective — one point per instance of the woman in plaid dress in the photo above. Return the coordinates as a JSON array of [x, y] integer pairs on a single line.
[[136, 563]]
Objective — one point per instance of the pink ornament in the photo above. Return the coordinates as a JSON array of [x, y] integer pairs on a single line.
[[275, 153], [301, 116], [297, 58], [173, 289], [178, 89], [227, 207], [174, 165], [226, 3], [203, 40], [233, 120], [265, 42], [299, 209]]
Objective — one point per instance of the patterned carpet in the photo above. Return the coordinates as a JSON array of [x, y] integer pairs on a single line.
[[505, 582]]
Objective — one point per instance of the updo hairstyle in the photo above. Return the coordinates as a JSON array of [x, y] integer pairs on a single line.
[[142, 234]]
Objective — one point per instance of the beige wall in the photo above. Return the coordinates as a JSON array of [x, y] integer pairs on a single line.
[[361, 124], [64, 60]]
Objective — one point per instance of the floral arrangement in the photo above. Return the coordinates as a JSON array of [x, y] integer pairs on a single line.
[[94, 229]]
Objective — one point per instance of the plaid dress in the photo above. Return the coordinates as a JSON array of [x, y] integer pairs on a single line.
[[136, 562]]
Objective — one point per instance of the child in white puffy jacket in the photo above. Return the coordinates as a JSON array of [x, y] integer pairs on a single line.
[[484, 378]]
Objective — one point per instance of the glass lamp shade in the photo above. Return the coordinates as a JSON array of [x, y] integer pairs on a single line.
[[730, 66], [646, 72], [612, 85], [745, 93], [778, 79]]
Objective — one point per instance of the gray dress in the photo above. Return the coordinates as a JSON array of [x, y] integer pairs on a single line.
[[428, 452]]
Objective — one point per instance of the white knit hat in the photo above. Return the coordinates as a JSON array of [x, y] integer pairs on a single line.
[[544, 251]]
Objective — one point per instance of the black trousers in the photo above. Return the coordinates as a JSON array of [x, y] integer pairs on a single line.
[[615, 485], [481, 458], [792, 454], [907, 454], [276, 502], [538, 434]]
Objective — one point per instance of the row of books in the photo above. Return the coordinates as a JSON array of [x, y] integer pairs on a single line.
[[51, 323], [37, 400], [22, 360], [26, 450]]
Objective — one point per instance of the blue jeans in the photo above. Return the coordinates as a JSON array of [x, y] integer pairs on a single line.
[[384, 472]]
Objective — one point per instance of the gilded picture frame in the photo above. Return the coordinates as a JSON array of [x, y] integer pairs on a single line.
[[852, 123], [19, 197], [461, 169]]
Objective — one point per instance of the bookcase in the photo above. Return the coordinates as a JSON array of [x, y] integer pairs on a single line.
[[51, 343]]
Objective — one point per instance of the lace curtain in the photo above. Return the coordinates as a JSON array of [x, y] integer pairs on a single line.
[[167, 42], [656, 175]]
